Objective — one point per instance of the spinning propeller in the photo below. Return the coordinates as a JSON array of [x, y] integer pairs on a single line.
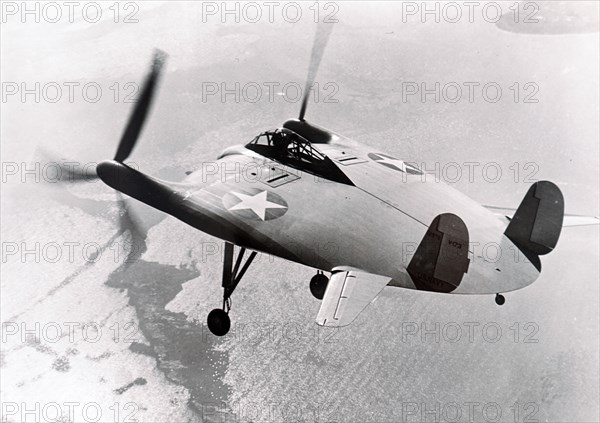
[[130, 136], [132, 130], [140, 112], [318, 48]]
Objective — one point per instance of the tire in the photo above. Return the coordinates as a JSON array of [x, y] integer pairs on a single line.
[[318, 285], [218, 322]]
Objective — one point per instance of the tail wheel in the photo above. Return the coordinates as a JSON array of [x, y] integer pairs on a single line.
[[318, 285]]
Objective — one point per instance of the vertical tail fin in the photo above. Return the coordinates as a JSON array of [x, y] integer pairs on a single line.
[[442, 257], [537, 223]]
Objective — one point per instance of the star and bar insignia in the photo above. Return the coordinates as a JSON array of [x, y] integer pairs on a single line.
[[255, 204], [395, 164]]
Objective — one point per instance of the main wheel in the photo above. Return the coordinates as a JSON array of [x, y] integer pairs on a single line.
[[218, 322], [318, 285], [500, 299]]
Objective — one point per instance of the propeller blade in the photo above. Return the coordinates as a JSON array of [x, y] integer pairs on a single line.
[[129, 222], [75, 175], [140, 112], [64, 170], [321, 38]]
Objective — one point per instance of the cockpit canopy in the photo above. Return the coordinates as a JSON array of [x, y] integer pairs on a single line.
[[282, 143], [290, 149]]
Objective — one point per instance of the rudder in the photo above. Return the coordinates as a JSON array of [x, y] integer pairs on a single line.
[[537, 223], [442, 257]]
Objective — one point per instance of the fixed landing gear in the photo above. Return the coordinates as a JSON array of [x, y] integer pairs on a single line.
[[218, 321], [318, 285], [500, 300]]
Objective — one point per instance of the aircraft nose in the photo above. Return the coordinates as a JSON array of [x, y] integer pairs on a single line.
[[108, 171]]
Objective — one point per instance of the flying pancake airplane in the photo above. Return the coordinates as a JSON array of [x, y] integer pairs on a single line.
[[320, 199]]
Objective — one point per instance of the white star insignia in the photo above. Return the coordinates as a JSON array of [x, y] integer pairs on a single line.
[[258, 203], [398, 164]]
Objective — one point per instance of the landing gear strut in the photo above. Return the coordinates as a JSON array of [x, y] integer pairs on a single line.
[[318, 285], [500, 299], [218, 320]]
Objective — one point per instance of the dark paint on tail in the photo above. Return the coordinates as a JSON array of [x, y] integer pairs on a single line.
[[536, 225], [442, 257]]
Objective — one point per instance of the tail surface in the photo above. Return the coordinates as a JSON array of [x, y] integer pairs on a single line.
[[536, 225]]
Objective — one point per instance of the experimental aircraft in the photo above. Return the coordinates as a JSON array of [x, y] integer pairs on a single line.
[[318, 198]]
